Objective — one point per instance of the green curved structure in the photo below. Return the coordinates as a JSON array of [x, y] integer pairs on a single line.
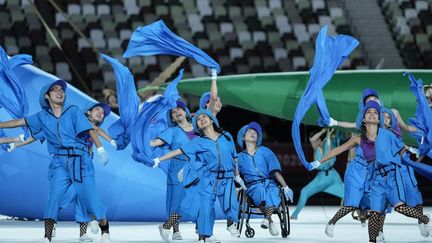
[[277, 94]]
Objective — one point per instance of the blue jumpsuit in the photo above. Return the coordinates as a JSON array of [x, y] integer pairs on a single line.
[[71, 164], [386, 182], [326, 180], [174, 137], [217, 181], [258, 170]]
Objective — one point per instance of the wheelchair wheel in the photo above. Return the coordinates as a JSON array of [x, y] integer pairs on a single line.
[[249, 232], [284, 217], [242, 210]]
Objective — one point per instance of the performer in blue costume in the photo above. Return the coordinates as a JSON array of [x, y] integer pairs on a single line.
[[211, 100], [382, 149], [327, 179], [412, 193], [63, 126], [179, 132], [261, 170], [215, 149]]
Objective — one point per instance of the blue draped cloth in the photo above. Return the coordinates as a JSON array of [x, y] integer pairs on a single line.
[[13, 97], [330, 52], [151, 121], [128, 101], [157, 39], [423, 169], [423, 116]]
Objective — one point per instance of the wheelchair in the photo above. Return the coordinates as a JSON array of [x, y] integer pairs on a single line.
[[247, 208]]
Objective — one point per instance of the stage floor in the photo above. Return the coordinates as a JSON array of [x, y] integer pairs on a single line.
[[308, 228]]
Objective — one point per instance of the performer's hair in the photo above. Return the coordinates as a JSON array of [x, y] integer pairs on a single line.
[[363, 130], [217, 129]]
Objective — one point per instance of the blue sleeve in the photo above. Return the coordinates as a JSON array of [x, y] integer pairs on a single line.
[[272, 161], [232, 144], [82, 124], [397, 144], [167, 136], [34, 123]]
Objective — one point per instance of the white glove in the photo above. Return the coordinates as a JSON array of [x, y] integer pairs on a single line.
[[315, 164], [21, 136], [180, 175], [414, 151], [289, 194], [103, 156], [11, 147], [156, 162], [213, 74], [333, 122], [240, 181], [113, 143]]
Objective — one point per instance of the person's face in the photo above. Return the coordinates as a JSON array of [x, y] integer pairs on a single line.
[[56, 95], [251, 136], [96, 115], [112, 101], [178, 114], [387, 119], [371, 116], [218, 105], [374, 98], [203, 121]]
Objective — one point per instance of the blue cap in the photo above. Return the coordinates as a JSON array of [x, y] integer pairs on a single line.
[[45, 89], [369, 92], [90, 105], [205, 112], [205, 98], [241, 133]]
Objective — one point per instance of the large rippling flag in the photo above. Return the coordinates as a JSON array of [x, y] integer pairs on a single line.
[[13, 97], [151, 121], [330, 52], [158, 39], [128, 101]]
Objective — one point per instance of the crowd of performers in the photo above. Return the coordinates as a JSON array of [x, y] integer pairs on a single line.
[[204, 163]]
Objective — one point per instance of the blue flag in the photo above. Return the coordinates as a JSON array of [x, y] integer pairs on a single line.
[[13, 97], [330, 52], [128, 101], [157, 39], [151, 121]]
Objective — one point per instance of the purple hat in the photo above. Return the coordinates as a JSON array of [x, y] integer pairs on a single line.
[[372, 104], [369, 92]]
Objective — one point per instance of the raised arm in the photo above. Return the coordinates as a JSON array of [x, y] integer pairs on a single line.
[[214, 94], [13, 123], [352, 142], [402, 124], [314, 139]]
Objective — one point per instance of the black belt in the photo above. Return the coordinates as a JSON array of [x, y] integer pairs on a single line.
[[75, 153], [383, 171], [221, 173], [327, 170]]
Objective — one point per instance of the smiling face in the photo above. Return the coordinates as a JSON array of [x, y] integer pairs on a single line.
[[178, 114], [387, 119], [96, 115], [251, 136], [371, 116], [56, 95], [203, 121]]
